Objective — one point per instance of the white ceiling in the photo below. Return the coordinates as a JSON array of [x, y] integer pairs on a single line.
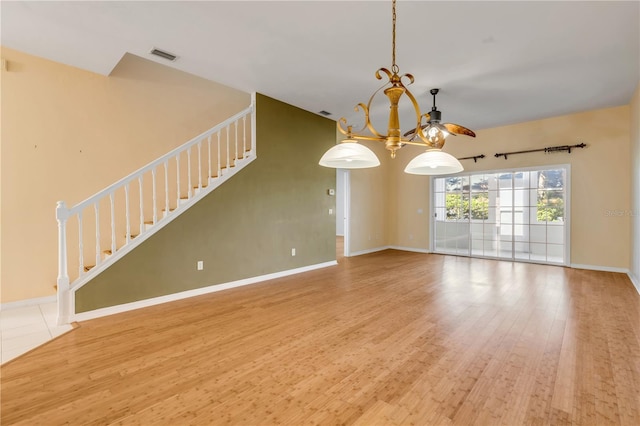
[[496, 63]]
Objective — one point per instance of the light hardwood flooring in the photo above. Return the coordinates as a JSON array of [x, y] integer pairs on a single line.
[[386, 338]]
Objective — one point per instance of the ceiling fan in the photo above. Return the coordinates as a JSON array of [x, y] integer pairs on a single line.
[[435, 131]]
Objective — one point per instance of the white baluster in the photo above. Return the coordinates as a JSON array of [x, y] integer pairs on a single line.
[[228, 162], [189, 173], [113, 224], [141, 205], [64, 305], [80, 246], [96, 208], [235, 141], [155, 201], [178, 179], [209, 157], [219, 171], [244, 136], [199, 165], [166, 187], [126, 212]]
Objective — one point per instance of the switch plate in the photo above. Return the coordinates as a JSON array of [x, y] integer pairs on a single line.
[[330, 211], [293, 252], [200, 265]]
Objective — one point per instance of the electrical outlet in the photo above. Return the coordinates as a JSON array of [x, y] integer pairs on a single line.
[[200, 265], [293, 252], [330, 211]]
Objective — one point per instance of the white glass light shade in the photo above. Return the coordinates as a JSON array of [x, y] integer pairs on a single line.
[[349, 155], [434, 162]]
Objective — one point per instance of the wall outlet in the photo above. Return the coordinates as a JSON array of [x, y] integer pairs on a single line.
[[330, 211], [293, 252], [200, 265]]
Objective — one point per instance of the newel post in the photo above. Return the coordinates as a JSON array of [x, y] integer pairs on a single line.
[[64, 295]]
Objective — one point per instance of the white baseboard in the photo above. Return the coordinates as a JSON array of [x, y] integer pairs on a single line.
[[28, 302], [412, 249], [367, 251], [83, 316], [599, 268], [634, 280]]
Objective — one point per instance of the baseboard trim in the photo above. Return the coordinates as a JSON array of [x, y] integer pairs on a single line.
[[111, 310], [599, 268], [367, 251], [634, 281], [412, 249], [28, 302]]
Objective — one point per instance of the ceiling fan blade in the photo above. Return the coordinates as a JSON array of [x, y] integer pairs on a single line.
[[413, 131], [457, 129]]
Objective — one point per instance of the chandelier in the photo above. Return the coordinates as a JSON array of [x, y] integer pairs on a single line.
[[349, 154]]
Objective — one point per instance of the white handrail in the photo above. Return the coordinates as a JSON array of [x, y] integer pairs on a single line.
[[68, 286], [127, 179]]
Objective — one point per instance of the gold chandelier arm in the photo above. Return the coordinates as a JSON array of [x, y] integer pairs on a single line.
[[386, 71], [410, 142], [367, 138], [341, 129], [367, 107]]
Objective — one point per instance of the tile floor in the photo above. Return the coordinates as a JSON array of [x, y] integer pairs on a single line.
[[22, 329]]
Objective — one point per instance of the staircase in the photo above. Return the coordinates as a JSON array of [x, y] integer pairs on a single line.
[[95, 233]]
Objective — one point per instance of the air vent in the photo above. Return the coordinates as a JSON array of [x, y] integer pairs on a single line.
[[163, 54], [325, 113]]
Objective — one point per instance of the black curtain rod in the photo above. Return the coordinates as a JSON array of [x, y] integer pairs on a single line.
[[475, 158], [558, 148]]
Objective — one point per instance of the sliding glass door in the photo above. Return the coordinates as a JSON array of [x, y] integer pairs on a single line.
[[515, 215]]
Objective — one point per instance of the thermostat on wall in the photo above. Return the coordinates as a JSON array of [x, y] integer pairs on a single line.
[[331, 192]]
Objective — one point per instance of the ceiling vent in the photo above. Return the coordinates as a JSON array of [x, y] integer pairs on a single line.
[[325, 113], [163, 54]]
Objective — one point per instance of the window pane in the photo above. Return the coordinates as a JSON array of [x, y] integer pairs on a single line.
[[521, 180], [504, 180], [555, 234], [479, 183], [555, 253], [480, 206], [537, 233]]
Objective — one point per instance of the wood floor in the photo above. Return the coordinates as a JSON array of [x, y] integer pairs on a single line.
[[386, 338]]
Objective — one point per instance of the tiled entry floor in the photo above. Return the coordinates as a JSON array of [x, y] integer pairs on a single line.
[[22, 329]]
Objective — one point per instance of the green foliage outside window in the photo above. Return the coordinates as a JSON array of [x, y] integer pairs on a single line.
[[457, 206]]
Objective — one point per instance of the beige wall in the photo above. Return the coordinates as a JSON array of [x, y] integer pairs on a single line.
[[67, 133], [634, 213], [369, 203], [600, 180]]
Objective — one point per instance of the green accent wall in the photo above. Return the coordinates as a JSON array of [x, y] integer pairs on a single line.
[[246, 227]]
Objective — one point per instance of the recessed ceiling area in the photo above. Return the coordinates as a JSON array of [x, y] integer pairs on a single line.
[[496, 63]]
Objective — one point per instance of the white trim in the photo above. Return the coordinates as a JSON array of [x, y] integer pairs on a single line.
[[634, 281], [367, 251], [599, 268], [28, 302], [195, 292], [346, 181], [412, 249]]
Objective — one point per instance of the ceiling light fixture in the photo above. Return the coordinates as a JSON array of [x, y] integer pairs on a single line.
[[349, 154]]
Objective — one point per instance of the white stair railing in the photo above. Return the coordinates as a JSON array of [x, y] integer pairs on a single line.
[[126, 213]]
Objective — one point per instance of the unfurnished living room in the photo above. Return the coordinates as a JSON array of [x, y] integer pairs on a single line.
[[320, 212]]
